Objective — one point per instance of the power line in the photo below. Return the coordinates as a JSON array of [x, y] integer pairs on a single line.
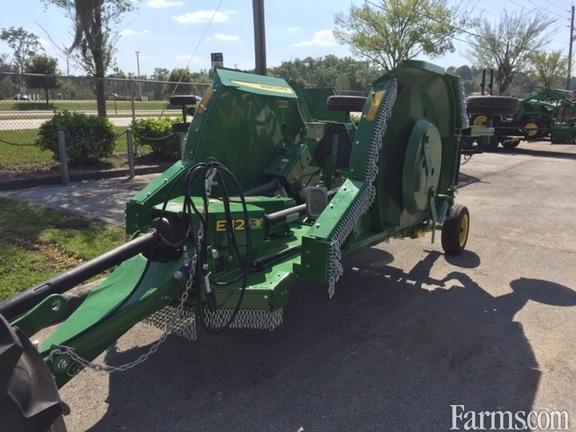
[[539, 7], [557, 7], [202, 36]]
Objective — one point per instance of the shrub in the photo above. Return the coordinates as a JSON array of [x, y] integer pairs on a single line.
[[157, 133], [89, 139]]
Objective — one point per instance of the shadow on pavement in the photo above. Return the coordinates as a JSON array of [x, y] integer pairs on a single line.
[[392, 351], [540, 153]]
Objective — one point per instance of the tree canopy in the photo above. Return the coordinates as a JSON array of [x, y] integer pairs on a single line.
[[388, 32], [508, 45], [94, 35], [549, 68], [23, 43], [43, 70], [329, 71]]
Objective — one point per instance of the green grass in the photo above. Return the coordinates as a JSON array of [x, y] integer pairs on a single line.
[[36, 244], [19, 154], [111, 106]]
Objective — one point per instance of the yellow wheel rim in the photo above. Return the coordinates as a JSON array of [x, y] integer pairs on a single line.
[[481, 120], [464, 228], [531, 129]]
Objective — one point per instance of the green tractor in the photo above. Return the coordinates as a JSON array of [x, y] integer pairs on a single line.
[[276, 185], [550, 112]]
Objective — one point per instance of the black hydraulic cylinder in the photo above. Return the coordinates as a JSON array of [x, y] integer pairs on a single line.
[[65, 281], [263, 189]]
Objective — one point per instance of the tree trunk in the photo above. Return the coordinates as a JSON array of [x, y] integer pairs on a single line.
[[47, 94], [99, 68], [100, 95]]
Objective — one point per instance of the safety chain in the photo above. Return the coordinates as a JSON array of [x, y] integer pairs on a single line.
[[149, 138], [179, 312], [367, 193]]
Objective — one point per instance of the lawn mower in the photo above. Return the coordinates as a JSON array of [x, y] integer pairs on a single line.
[[275, 186]]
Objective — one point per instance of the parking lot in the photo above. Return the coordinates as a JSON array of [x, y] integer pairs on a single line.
[[409, 332]]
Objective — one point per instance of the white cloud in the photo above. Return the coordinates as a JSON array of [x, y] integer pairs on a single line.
[[226, 37], [293, 29], [319, 39], [132, 32], [203, 16], [185, 58], [160, 4]]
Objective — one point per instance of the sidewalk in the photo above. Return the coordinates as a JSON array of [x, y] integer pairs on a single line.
[[100, 199]]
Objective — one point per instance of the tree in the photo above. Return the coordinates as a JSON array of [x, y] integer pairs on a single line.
[[508, 45], [24, 44], [160, 74], [329, 71], [177, 77], [391, 31], [93, 22], [44, 71], [549, 68]]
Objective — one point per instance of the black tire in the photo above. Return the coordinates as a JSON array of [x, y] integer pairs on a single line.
[[346, 103], [455, 230], [29, 400], [539, 129], [492, 105]]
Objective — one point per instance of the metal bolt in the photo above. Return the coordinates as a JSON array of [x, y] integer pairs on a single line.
[[178, 275], [62, 363]]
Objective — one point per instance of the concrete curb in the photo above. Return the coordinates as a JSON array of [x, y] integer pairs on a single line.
[[78, 176]]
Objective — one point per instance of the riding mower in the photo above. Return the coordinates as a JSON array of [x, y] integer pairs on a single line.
[[275, 186]]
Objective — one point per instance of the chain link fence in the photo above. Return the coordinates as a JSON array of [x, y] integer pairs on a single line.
[[28, 100]]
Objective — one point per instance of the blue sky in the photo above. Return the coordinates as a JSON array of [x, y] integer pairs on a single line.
[[166, 32]]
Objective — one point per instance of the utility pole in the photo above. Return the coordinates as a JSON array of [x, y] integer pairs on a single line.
[[259, 37], [138, 70], [570, 50]]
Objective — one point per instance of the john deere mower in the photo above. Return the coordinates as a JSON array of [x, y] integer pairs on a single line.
[[277, 184]]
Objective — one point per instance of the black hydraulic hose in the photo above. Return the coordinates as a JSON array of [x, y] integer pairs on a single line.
[[201, 245], [68, 280]]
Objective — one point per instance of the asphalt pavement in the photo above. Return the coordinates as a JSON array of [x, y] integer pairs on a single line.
[[409, 332]]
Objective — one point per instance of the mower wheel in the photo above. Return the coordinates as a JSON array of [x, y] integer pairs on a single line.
[[29, 400], [346, 103], [494, 105], [455, 230]]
